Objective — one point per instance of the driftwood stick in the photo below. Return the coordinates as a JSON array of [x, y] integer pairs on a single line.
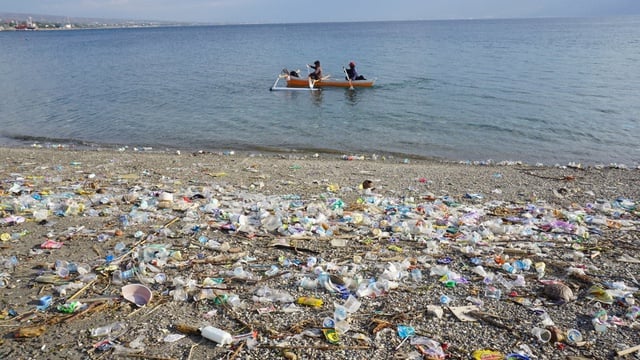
[[143, 356], [237, 352], [319, 347], [82, 290], [628, 351]]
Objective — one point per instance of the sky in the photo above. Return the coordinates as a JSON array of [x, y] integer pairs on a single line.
[[295, 11]]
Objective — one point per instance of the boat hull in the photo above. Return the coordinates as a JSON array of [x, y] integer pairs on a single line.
[[294, 82]]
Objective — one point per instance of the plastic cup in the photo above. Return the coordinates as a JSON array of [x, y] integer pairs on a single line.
[[340, 313], [63, 272], [342, 327], [543, 335], [599, 325], [574, 336], [160, 278], [83, 268], [328, 323], [352, 304]]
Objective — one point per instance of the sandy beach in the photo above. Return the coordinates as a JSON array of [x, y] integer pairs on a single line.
[[416, 248]]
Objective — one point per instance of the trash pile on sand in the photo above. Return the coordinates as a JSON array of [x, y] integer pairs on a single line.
[[97, 262]]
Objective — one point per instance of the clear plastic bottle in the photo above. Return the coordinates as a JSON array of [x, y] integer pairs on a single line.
[[416, 275], [272, 271], [308, 283], [107, 330], [508, 268], [120, 276], [492, 292], [217, 335]]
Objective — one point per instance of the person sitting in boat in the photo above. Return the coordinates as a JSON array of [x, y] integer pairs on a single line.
[[352, 73], [317, 73]]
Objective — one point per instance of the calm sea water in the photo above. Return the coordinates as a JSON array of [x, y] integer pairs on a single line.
[[538, 90]]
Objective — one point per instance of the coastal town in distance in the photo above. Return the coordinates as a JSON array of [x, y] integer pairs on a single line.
[[32, 22]]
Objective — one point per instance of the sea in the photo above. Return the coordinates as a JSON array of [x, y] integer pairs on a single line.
[[539, 91]]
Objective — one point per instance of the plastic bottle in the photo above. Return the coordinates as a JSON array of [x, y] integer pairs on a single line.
[[311, 262], [492, 292], [524, 264], [308, 283], [272, 271], [10, 262], [124, 220], [120, 276], [216, 335], [120, 248], [240, 273], [108, 329], [480, 271], [508, 268], [416, 275], [540, 268]]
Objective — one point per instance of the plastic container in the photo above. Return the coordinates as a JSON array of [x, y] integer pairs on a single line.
[[216, 335]]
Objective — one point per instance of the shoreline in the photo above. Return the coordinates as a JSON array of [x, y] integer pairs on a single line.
[[265, 151], [210, 211]]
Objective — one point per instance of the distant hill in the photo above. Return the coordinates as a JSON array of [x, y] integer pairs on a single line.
[[6, 18]]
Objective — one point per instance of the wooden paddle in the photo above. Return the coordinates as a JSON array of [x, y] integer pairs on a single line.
[[312, 82], [348, 78]]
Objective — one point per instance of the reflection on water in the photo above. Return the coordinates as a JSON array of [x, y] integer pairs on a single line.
[[351, 96], [316, 97]]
